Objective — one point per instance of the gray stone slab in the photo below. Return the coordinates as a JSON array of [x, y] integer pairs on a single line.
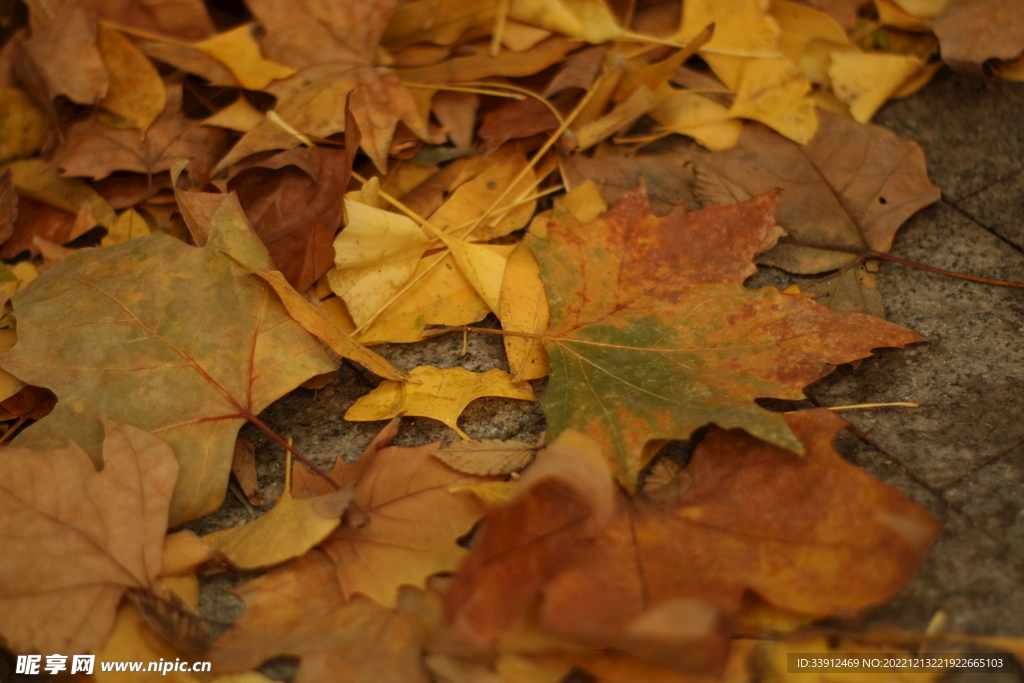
[[1000, 208], [970, 129], [992, 497], [969, 377]]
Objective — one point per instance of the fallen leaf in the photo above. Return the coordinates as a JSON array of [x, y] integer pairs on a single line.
[[223, 213], [186, 19], [94, 150], [296, 213], [23, 126], [237, 50], [774, 92], [456, 111], [865, 80], [128, 226], [653, 335], [136, 92], [300, 610], [39, 222], [410, 524], [852, 186], [486, 456], [62, 59], [375, 256], [973, 31], [76, 538], [743, 28], [210, 348], [289, 529], [662, 583], [523, 307], [566, 495], [133, 639], [243, 466], [438, 394]]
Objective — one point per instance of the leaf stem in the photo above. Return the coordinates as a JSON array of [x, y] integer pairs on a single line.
[[865, 254], [291, 449]]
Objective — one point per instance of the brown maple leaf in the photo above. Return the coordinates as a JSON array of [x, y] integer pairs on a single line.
[[301, 610], [95, 150], [409, 518], [808, 533], [75, 538]]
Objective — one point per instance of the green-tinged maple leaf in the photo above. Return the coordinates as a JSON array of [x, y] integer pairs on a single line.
[[174, 339], [653, 335]]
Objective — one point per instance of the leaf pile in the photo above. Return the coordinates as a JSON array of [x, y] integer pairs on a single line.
[[197, 218]]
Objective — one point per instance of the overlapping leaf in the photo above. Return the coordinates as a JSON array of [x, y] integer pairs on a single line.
[[652, 334], [75, 538], [198, 344], [665, 583]]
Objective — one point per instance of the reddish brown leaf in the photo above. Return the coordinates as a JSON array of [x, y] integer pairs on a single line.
[[522, 119], [296, 214], [8, 206], [75, 538], [95, 150], [36, 219], [665, 583], [301, 611]]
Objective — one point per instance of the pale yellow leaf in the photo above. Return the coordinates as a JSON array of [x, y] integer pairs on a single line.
[[439, 295], [483, 267], [774, 92], [926, 9], [291, 528], [375, 255], [183, 553], [523, 307], [743, 28], [239, 115], [704, 120], [128, 226], [641, 101], [438, 394], [238, 51], [865, 81], [890, 14]]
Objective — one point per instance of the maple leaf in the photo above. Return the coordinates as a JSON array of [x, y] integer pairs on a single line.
[[75, 538], [300, 610], [851, 187], [665, 583], [652, 333], [95, 150], [174, 339], [413, 520]]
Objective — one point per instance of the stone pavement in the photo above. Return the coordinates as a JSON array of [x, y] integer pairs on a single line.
[[960, 455]]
